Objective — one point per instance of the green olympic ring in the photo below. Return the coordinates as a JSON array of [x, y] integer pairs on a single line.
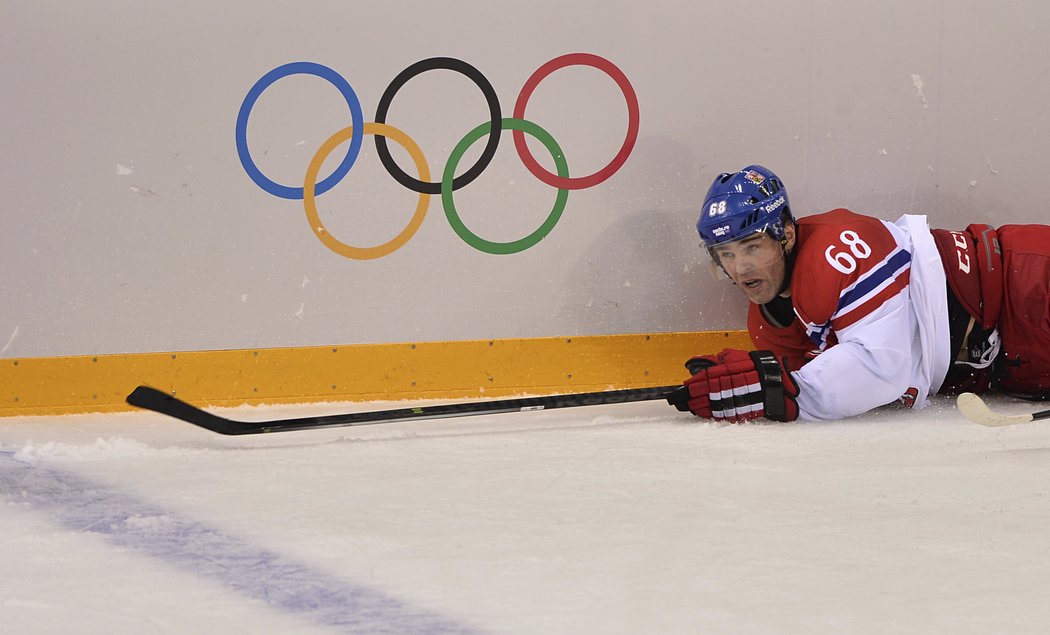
[[514, 246]]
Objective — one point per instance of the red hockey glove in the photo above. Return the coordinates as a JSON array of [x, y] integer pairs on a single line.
[[738, 386]]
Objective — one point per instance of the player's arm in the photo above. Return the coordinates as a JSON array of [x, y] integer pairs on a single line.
[[858, 290], [869, 367]]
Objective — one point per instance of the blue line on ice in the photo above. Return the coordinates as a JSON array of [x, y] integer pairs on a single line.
[[82, 505]]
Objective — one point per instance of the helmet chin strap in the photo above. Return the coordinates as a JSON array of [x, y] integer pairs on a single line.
[[789, 266]]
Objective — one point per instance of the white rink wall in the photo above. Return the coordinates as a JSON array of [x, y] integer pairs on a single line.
[[131, 225]]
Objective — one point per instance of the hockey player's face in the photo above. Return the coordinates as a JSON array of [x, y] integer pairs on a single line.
[[756, 264]]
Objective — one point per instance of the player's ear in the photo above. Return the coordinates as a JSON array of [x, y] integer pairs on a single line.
[[789, 237]]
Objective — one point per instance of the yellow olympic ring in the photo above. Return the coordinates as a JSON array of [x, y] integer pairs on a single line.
[[309, 184]]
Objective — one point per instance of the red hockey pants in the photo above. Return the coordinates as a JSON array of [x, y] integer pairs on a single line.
[[1024, 323]]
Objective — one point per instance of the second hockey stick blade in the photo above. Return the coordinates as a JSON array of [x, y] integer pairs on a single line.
[[973, 408], [164, 403]]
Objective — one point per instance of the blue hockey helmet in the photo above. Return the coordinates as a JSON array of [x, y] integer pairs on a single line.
[[739, 204]]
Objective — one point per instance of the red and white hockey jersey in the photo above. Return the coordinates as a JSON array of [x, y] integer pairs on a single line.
[[871, 324]]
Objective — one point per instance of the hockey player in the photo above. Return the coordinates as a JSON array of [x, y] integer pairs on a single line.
[[849, 312]]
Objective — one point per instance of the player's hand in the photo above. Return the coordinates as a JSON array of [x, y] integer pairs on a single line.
[[738, 386]]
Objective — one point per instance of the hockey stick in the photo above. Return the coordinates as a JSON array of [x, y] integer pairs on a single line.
[[158, 401], [973, 408]]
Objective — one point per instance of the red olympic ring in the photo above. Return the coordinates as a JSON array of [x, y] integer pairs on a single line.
[[610, 69]]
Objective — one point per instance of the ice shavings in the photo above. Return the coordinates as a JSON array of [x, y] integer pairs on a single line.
[[154, 524], [103, 449]]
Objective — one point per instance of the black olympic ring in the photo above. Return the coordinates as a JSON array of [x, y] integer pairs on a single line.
[[495, 114]]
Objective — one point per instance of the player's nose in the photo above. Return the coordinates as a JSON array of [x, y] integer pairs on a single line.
[[745, 264]]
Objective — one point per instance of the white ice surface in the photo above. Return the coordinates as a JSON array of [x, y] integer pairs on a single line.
[[610, 519]]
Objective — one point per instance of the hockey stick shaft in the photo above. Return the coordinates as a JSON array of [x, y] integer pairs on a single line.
[[973, 408], [159, 401]]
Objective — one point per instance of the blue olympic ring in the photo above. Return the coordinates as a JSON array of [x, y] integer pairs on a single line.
[[357, 117]]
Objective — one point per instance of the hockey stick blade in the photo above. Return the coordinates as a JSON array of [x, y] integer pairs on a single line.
[[159, 401], [973, 408]]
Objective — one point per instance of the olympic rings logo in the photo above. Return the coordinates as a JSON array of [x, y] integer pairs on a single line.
[[449, 183]]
